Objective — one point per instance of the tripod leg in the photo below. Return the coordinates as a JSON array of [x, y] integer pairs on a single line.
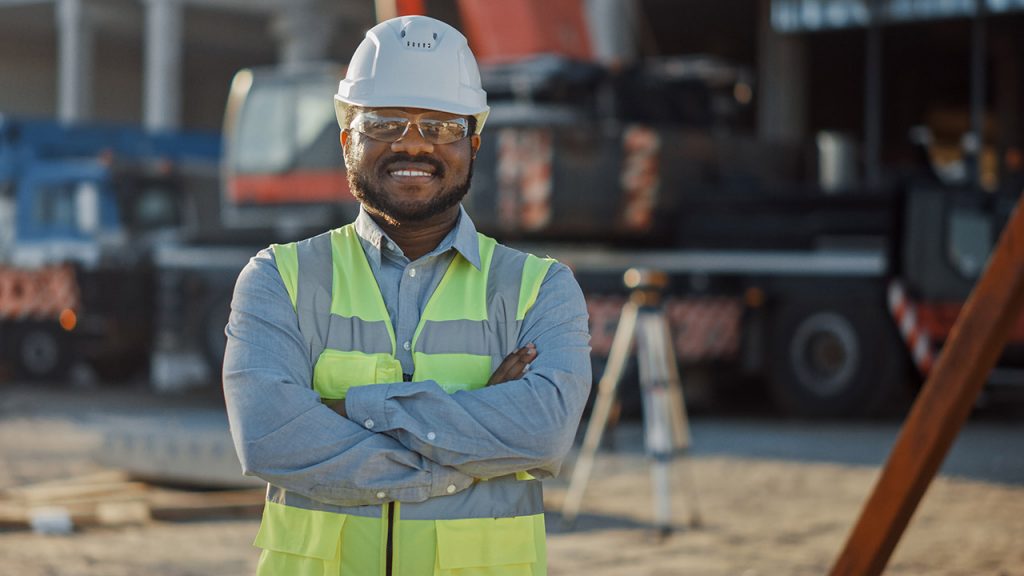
[[658, 414], [607, 386], [690, 488], [661, 487], [680, 423]]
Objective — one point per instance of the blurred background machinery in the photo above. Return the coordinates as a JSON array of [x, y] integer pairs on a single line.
[[822, 211]]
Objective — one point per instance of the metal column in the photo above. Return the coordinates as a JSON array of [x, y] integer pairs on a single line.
[[303, 31], [873, 96], [976, 142], [163, 61], [76, 40], [782, 82], [612, 26]]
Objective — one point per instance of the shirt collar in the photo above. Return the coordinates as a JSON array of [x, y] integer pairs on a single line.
[[463, 238]]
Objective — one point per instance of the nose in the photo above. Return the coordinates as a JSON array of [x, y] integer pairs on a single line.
[[412, 142]]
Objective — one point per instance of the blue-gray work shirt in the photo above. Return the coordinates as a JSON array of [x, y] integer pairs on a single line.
[[408, 440]]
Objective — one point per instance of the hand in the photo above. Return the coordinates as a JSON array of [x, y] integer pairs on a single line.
[[514, 366]]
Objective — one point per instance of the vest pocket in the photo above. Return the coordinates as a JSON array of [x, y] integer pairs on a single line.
[[486, 547], [337, 371], [298, 541], [453, 372]]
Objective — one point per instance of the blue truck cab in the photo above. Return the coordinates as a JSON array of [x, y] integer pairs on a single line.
[[83, 206]]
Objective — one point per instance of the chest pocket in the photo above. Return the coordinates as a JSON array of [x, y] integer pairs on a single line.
[[336, 371]]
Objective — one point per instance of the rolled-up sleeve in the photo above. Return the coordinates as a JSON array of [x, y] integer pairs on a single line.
[[284, 434], [526, 424]]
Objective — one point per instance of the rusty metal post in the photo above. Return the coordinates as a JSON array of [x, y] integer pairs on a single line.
[[974, 345]]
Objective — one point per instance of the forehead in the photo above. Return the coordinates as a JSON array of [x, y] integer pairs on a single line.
[[412, 113]]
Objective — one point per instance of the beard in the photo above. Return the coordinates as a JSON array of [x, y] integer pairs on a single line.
[[368, 190]]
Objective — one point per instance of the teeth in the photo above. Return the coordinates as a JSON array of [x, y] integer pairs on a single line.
[[410, 173]]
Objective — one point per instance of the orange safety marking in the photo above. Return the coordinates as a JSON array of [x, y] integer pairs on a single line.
[[37, 293], [916, 336], [639, 179], [524, 178], [702, 328]]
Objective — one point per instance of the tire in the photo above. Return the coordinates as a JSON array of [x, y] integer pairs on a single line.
[[41, 352], [837, 360]]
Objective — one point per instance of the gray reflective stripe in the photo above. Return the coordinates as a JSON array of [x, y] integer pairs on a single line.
[[279, 495], [458, 337], [313, 300], [504, 282], [348, 334], [503, 497]]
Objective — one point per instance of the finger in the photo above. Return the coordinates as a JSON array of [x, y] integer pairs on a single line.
[[504, 370], [509, 368], [514, 365], [522, 361]]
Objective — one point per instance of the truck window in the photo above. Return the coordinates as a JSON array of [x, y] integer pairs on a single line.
[[969, 240], [282, 127], [266, 116], [156, 208], [55, 207]]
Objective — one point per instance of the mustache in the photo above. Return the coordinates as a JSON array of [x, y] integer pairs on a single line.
[[396, 157]]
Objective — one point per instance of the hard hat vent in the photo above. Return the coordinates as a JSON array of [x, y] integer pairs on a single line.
[[420, 35]]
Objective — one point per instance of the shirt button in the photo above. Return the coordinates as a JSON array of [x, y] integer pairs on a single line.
[[391, 246], [431, 435], [406, 345], [412, 272], [451, 489], [368, 423], [381, 495]]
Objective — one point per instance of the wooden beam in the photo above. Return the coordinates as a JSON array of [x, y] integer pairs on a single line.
[[943, 405]]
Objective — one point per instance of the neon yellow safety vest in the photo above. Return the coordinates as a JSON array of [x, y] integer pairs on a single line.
[[470, 323]]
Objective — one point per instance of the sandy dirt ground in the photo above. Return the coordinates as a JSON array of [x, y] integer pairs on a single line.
[[759, 516]]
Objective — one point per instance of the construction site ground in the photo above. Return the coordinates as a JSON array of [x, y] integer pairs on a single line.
[[775, 497]]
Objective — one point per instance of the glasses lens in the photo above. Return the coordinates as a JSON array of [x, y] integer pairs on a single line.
[[391, 129], [443, 131], [380, 128]]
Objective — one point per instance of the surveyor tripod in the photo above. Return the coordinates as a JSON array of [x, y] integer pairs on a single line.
[[666, 428]]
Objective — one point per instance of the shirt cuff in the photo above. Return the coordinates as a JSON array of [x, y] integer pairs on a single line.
[[445, 481], [365, 406]]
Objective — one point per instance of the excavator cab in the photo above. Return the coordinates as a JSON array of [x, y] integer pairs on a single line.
[[282, 164]]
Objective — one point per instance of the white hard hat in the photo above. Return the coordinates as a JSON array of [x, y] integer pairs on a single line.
[[413, 62]]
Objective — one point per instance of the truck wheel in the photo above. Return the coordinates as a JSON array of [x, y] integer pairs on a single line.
[[837, 360], [42, 352]]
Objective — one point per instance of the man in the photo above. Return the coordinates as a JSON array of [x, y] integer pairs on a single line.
[[402, 382]]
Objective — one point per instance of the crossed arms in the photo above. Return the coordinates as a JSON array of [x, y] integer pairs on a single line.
[[422, 440]]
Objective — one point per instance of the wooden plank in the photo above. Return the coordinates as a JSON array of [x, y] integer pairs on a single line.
[[943, 405], [101, 477], [176, 505], [89, 492]]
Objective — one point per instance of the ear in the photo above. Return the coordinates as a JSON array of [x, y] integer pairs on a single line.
[[344, 139], [474, 143]]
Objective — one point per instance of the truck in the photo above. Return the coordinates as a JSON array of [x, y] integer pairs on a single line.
[[82, 209], [830, 293]]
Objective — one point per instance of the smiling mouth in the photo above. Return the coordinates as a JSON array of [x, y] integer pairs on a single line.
[[411, 174]]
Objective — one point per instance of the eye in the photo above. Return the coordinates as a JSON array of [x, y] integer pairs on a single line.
[[432, 127], [389, 125]]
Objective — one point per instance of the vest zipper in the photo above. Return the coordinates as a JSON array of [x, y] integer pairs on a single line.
[[391, 527]]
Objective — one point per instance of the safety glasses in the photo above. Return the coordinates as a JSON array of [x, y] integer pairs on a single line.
[[391, 128]]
